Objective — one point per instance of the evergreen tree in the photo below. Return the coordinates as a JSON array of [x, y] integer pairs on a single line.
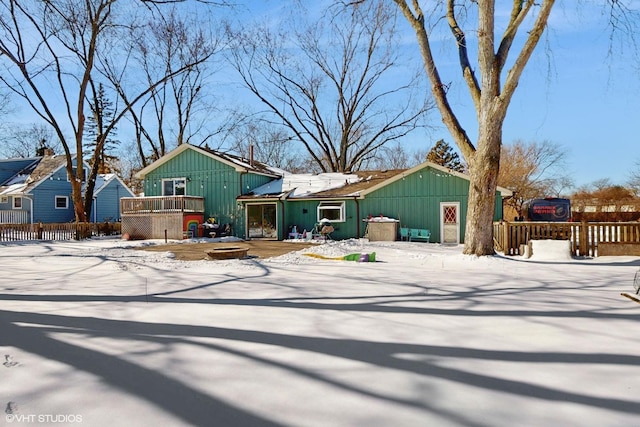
[[442, 154], [102, 114]]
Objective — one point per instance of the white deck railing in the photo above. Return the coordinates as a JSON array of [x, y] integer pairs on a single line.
[[14, 217], [161, 204]]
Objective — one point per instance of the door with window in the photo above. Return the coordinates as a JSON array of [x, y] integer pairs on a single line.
[[262, 221], [450, 222]]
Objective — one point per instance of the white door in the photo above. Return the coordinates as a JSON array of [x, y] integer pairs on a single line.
[[450, 222]]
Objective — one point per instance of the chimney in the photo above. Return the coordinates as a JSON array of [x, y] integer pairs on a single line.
[[251, 155]]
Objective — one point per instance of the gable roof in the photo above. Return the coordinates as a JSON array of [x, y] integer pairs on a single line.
[[47, 167], [104, 179], [9, 168], [30, 177], [357, 184], [240, 164]]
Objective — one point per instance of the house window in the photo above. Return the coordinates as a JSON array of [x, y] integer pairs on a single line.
[[333, 211], [84, 173], [4, 199], [17, 203], [62, 202], [174, 187]]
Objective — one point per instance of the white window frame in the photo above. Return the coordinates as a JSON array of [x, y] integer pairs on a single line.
[[4, 199], [174, 180], [75, 170], [331, 206], [14, 204], [66, 202]]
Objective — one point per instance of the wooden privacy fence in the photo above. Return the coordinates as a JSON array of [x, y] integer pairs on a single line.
[[60, 231], [585, 237]]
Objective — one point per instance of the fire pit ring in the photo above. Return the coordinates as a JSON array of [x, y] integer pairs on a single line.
[[227, 252]]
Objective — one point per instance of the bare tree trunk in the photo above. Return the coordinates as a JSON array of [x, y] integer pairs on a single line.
[[483, 177]]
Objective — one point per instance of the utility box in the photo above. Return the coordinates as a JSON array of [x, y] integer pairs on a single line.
[[382, 230]]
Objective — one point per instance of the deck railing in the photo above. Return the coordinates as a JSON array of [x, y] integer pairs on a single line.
[[14, 217], [161, 204], [509, 237]]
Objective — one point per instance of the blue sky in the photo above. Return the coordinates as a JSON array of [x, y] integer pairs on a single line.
[[574, 93]]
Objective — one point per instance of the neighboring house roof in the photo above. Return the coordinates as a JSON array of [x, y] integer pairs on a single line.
[[103, 181], [42, 168], [47, 166], [240, 164], [336, 185], [9, 168], [18, 182]]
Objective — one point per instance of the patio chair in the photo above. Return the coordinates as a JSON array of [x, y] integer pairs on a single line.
[[404, 233]]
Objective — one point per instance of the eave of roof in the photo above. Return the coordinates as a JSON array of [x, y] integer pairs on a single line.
[[238, 163]]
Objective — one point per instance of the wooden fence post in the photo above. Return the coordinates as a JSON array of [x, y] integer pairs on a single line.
[[506, 238], [40, 231], [584, 238]]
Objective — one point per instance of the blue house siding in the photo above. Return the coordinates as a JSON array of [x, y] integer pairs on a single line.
[[106, 207], [44, 201], [46, 192]]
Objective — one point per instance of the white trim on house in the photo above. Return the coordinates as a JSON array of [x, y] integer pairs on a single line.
[[325, 206], [66, 202], [446, 229], [239, 167]]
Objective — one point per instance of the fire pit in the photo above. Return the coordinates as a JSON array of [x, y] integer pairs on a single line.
[[227, 253]]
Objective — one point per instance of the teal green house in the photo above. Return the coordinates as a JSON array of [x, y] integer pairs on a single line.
[[427, 196], [191, 184]]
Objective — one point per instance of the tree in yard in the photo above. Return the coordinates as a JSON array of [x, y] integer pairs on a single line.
[[177, 110], [102, 112], [442, 154], [634, 179], [28, 141], [335, 84], [50, 53], [532, 170], [606, 202], [491, 88], [271, 145]]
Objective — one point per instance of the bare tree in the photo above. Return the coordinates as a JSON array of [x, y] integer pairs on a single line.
[[177, 111], [28, 141], [531, 170], [50, 53], [330, 83], [271, 144], [634, 179], [491, 90]]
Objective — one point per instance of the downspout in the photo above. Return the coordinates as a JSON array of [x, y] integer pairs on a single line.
[[355, 199], [244, 210], [31, 208], [284, 232]]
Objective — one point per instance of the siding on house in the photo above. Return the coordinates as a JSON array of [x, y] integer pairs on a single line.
[[43, 185], [217, 182], [106, 206], [412, 196]]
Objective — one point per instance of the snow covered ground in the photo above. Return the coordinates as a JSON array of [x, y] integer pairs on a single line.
[[95, 333]]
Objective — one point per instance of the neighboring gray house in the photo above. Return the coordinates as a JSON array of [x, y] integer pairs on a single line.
[[37, 189]]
